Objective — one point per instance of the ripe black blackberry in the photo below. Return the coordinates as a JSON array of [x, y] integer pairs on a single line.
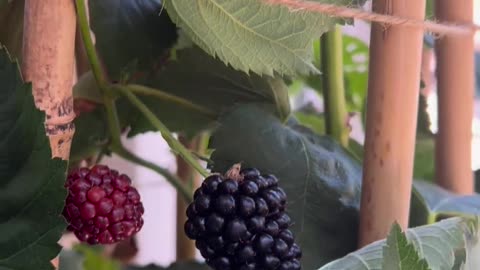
[[102, 207], [239, 222]]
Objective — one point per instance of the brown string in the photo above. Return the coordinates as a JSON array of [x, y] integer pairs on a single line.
[[346, 12]]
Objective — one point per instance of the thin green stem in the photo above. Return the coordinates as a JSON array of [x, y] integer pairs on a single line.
[[432, 218], [109, 102], [112, 121], [166, 134], [147, 91], [89, 47], [186, 193], [112, 117], [100, 156], [333, 86]]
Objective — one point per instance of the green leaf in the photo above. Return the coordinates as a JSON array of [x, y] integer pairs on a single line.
[[70, 260], [88, 258], [211, 85], [131, 34], [431, 203], [87, 88], [91, 128], [444, 245], [424, 166], [356, 150], [321, 180], [201, 80], [430, 11], [207, 82], [314, 121], [91, 135], [423, 119], [94, 260], [174, 266], [251, 35], [399, 254], [31, 193], [355, 66], [11, 26]]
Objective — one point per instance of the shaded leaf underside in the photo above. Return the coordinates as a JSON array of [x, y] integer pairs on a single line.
[[31, 185], [322, 182]]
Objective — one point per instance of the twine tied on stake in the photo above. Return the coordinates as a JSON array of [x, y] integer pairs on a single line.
[[346, 12]]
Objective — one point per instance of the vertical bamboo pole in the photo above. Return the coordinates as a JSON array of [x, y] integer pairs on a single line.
[[185, 247], [48, 57], [456, 82], [394, 80]]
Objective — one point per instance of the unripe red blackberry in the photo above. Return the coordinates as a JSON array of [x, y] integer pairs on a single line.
[[239, 222], [102, 207]]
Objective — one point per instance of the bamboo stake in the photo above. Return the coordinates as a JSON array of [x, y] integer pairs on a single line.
[[394, 80], [48, 57], [456, 82], [185, 247]]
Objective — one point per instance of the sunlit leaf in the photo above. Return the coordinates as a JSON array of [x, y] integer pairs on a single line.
[[251, 35]]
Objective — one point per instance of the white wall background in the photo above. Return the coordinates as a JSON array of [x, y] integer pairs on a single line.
[[157, 238]]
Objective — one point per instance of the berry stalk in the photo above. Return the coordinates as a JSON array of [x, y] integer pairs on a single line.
[[89, 47], [173, 180], [166, 134], [108, 99], [161, 95]]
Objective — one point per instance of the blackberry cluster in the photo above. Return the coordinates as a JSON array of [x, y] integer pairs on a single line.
[[240, 223], [102, 207]]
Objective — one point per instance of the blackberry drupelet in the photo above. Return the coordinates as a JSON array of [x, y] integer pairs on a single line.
[[239, 222], [102, 207]]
